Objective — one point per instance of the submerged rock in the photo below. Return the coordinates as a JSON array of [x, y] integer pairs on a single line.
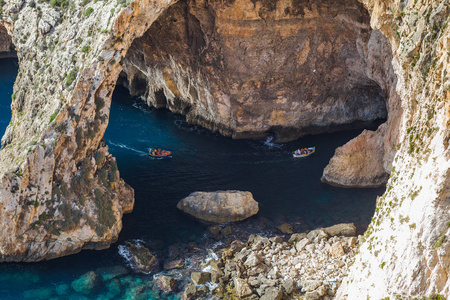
[[220, 206], [86, 283], [142, 258]]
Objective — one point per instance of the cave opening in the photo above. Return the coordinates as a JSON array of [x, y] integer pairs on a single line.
[[249, 69], [285, 72]]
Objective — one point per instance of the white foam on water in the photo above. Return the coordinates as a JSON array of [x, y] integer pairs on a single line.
[[123, 251], [268, 143], [120, 145]]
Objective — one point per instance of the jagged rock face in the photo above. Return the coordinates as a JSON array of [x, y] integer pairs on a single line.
[[253, 68], [60, 189], [358, 163], [406, 249], [366, 161], [6, 44]]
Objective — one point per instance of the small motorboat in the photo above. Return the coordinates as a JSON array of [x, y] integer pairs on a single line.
[[158, 153], [303, 153]]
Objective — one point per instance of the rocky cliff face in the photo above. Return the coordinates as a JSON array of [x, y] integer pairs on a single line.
[[366, 161], [6, 44], [60, 189], [406, 248], [258, 68]]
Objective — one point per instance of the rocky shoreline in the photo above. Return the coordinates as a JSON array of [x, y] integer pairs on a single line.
[[307, 265]]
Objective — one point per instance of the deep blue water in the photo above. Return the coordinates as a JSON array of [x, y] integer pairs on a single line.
[[287, 189]]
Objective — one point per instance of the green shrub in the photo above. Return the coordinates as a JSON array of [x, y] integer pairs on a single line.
[[86, 48], [442, 239], [89, 11], [99, 158], [71, 76], [53, 116]]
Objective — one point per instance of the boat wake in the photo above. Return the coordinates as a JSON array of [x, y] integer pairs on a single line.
[[120, 145], [268, 143]]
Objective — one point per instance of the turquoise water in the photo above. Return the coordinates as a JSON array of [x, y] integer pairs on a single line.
[[287, 189]]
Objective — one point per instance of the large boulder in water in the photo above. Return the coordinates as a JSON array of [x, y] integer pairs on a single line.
[[220, 206]]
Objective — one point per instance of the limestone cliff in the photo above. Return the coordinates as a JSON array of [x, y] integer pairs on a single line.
[[258, 68], [6, 44], [60, 189], [406, 248], [366, 161]]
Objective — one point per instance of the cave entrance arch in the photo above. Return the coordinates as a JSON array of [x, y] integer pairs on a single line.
[[317, 71], [249, 69]]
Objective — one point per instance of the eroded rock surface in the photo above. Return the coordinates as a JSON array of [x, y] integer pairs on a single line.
[[406, 248], [254, 68], [6, 44], [60, 189], [359, 163], [220, 206]]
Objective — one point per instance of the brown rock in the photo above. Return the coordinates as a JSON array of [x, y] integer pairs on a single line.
[[200, 277], [237, 246], [344, 229], [272, 293], [359, 163], [174, 264], [220, 206], [297, 237], [242, 288], [166, 283], [142, 258], [285, 228], [190, 292], [337, 249]]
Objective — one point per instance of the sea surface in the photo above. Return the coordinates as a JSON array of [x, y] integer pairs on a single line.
[[287, 189]]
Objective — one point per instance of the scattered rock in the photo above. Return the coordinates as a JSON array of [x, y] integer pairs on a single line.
[[215, 276], [310, 285], [301, 245], [296, 237], [252, 260], [352, 242], [174, 264], [220, 206], [200, 277], [142, 258], [242, 288], [237, 246], [317, 235], [190, 292], [289, 286], [272, 293], [202, 291], [285, 228], [166, 283], [337, 249], [344, 229]]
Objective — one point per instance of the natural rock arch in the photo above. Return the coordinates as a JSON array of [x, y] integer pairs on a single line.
[[41, 156]]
